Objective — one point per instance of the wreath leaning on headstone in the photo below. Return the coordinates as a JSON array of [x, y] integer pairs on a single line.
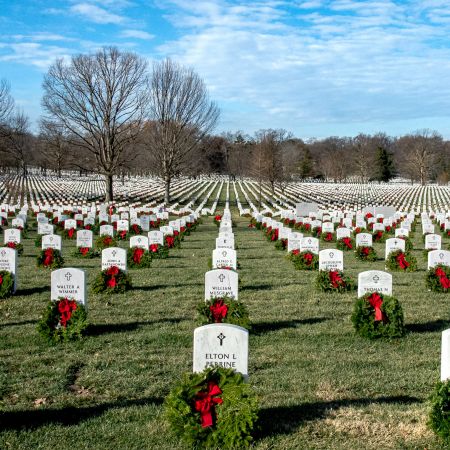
[[334, 281], [6, 284], [345, 244], [112, 281], [213, 409], [376, 315], [105, 241], [64, 320], [50, 258], [223, 310], [305, 260], [139, 258], [438, 278], [15, 246], [365, 253], [398, 260], [439, 418]]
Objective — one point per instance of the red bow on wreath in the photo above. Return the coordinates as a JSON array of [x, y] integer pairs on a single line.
[[107, 240], [70, 232], [169, 241], [335, 279], [347, 241], [65, 308], [401, 261], [328, 237], [11, 245], [84, 250], [153, 248], [48, 257], [112, 272], [122, 234], [217, 218], [204, 403], [365, 251], [137, 255], [443, 279], [219, 311], [135, 228], [376, 301], [308, 257], [1, 280]]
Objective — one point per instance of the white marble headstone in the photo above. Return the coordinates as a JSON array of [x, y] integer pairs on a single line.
[[436, 257], [331, 259], [114, 256], [224, 257], [364, 240], [84, 238], [12, 235], [221, 282], [8, 262], [221, 345], [139, 241], [374, 281], [433, 242], [309, 244], [70, 283], [51, 241], [394, 244]]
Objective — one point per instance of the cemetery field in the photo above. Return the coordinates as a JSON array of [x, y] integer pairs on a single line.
[[319, 385]]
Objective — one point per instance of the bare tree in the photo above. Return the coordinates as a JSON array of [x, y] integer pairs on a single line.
[[181, 114], [419, 152], [6, 102], [100, 100], [18, 141], [54, 145], [363, 156]]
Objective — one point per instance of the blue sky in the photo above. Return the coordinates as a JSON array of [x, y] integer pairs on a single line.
[[315, 68]]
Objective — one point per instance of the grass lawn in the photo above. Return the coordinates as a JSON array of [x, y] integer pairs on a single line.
[[320, 386]]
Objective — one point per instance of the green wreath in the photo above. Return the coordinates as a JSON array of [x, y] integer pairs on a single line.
[[316, 232], [437, 278], [135, 229], [70, 233], [6, 284], [14, 246], [233, 409], [223, 310], [379, 237], [345, 244], [439, 418], [122, 235], [358, 230], [305, 260], [38, 241], [334, 281], [158, 251], [139, 258], [50, 258], [408, 243], [281, 244], [328, 236], [365, 253], [63, 320], [105, 241], [398, 260], [85, 252], [387, 311], [112, 281]]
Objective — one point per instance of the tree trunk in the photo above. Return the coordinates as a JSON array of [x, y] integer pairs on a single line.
[[109, 197], [167, 192]]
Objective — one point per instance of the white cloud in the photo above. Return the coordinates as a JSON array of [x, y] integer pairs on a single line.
[[96, 14], [137, 34]]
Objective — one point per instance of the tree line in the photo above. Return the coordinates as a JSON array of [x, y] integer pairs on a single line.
[[109, 113]]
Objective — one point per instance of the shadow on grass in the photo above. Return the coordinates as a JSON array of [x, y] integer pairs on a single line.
[[258, 287], [289, 418], [32, 291], [165, 286], [29, 419], [13, 324], [105, 328], [265, 327], [427, 327]]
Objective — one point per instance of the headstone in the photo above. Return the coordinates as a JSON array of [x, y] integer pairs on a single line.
[[445, 355], [106, 230], [70, 283], [155, 237], [342, 233], [364, 240], [328, 227], [167, 230], [294, 241], [84, 238], [309, 244], [51, 241], [374, 281], [401, 232], [122, 225], [12, 235], [331, 259], [221, 282], [394, 244], [303, 209], [224, 257], [221, 345], [8, 262], [433, 242], [114, 256], [70, 223], [436, 257], [139, 241], [225, 242]]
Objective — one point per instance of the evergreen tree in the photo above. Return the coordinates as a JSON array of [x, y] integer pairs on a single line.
[[385, 169]]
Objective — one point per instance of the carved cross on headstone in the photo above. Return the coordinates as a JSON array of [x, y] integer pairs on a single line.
[[3, 253], [221, 337], [221, 277], [331, 255], [114, 253], [68, 276], [224, 253], [441, 255], [376, 278]]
